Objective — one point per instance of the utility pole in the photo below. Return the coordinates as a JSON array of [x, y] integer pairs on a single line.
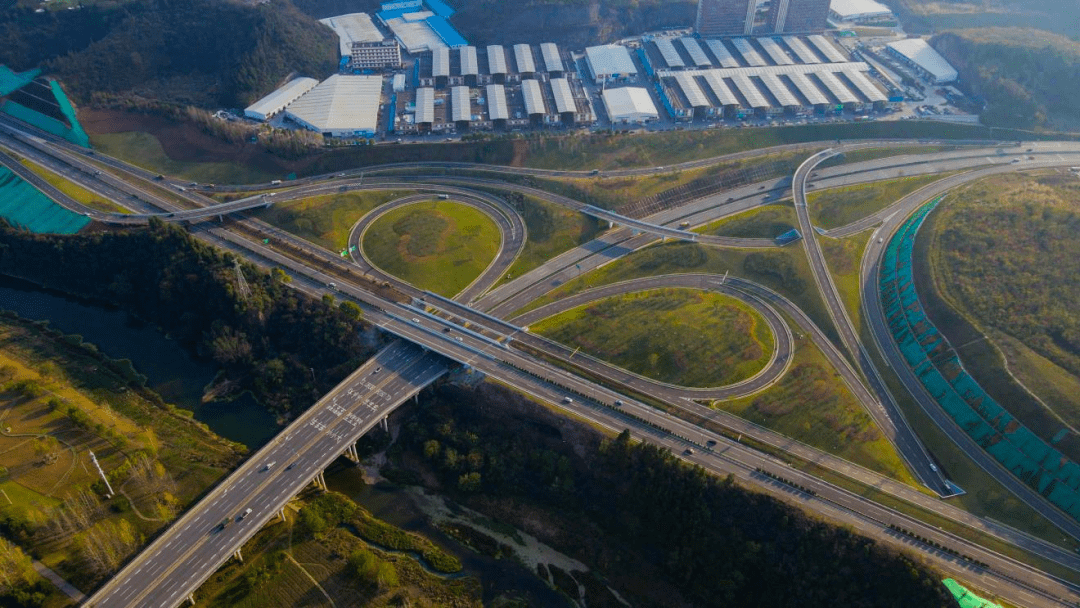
[[93, 459]]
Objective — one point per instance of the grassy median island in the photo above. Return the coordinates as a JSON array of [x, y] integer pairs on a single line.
[[61, 399], [811, 403], [441, 246], [679, 336], [75, 191], [838, 207], [552, 229], [767, 222], [327, 219], [999, 261]]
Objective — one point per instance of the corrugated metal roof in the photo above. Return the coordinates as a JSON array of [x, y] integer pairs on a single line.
[[863, 84], [827, 49], [749, 90], [924, 55], [425, 105], [460, 104], [564, 97], [534, 98], [802, 51], [779, 90], [552, 61], [749, 54], [524, 57], [775, 51], [354, 27], [697, 54], [779, 70], [808, 89], [496, 102], [469, 66], [722, 54], [610, 59], [440, 62], [848, 9], [720, 89], [837, 88], [694, 95], [496, 59], [631, 103], [341, 103], [277, 100], [669, 53]]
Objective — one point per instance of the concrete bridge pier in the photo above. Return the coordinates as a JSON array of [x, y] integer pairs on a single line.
[[385, 420], [239, 556], [320, 481], [351, 454], [281, 514], [191, 598]]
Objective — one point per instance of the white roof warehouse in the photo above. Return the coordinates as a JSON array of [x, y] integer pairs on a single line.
[[917, 53], [341, 106]]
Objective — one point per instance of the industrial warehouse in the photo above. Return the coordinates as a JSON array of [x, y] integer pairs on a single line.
[[406, 72]]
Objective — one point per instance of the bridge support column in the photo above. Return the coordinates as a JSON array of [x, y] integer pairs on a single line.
[[221, 219], [352, 454], [386, 424], [281, 514], [191, 598], [239, 556], [320, 481]]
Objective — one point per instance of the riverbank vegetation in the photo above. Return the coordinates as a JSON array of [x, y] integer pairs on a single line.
[[266, 337], [647, 525], [63, 399], [332, 551]]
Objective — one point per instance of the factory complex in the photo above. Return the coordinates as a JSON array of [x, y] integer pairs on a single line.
[[408, 72]]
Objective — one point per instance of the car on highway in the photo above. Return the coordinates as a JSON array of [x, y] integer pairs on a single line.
[[689, 451], [224, 524], [568, 400], [415, 320], [269, 465], [618, 403], [244, 514]]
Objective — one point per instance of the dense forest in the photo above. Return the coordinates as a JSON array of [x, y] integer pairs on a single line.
[[618, 505], [267, 341], [200, 52], [1027, 77]]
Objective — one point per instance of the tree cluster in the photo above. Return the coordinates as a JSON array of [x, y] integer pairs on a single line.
[[720, 544], [268, 339], [193, 51]]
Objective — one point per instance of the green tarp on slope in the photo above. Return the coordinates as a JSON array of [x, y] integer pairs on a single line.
[[25, 207], [965, 598]]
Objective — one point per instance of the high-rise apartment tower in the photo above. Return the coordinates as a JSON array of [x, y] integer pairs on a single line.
[[797, 16], [726, 17]]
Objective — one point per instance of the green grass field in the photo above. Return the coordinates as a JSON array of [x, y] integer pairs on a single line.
[[838, 207], [784, 270], [143, 149], [75, 191], [812, 404], [659, 334], [844, 257], [552, 230], [765, 222], [327, 219], [441, 246]]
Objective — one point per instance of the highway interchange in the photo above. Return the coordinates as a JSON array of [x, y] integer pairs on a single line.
[[484, 347]]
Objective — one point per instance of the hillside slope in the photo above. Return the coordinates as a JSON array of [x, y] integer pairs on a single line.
[[199, 52], [1027, 77]]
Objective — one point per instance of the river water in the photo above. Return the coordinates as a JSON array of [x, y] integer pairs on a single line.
[[170, 369]]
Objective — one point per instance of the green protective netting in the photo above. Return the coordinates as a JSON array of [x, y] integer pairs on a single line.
[[965, 598], [25, 207], [75, 133], [1036, 463], [13, 81]]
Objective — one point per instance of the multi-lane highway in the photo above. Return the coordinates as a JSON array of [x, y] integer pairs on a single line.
[[1022, 584], [193, 547]]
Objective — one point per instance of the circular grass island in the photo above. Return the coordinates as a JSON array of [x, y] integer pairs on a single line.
[[684, 337], [441, 246]]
